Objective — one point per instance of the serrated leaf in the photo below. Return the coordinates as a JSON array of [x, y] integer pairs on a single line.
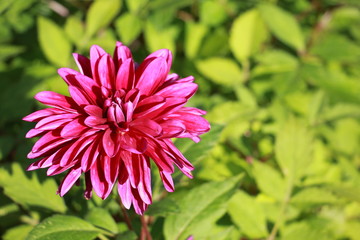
[[293, 149], [128, 26], [247, 34], [223, 71], [199, 209], [247, 214], [283, 25], [269, 180], [100, 14], [100, 217], [30, 192], [53, 42], [61, 227]]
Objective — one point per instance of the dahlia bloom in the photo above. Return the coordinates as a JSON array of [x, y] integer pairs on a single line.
[[119, 116]]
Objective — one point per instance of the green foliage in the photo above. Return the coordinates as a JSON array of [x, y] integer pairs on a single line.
[[279, 81]]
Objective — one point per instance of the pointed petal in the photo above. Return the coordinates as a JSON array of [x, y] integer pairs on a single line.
[[69, 180], [125, 75], [83, 64], [149, 76], [55, 100]]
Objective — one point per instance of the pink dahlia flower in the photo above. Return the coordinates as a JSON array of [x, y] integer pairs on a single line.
[[118, 117]]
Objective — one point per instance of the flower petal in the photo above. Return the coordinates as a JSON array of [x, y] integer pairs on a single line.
[[151, 75]]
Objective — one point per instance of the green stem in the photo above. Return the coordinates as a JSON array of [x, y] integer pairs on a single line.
[[283, 209]]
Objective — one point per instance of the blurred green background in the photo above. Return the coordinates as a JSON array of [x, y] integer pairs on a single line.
[[280, 81]]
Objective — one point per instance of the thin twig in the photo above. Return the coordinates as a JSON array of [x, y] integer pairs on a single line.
[[126, 217], [144, 229]]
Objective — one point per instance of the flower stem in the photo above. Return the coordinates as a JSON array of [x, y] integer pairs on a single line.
[[283, 208], [145, 234], [126, 217]]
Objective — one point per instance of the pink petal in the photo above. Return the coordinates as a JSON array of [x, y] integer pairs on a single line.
[[69, 180], [55, 100], [125, 193], [90, 155], [167, 181], [134, 145], [172, 128], [89, 87], [34, 133], [109, 143], [121, 54], [79, 96], [146, 126], [95, 122], [149, 105], [94, 110], [74, 128], [125, 75], [163, 53], [182, 90], [83, 64], [171, 105], [151, 75], [40, 114], [106, 71], [96, 53]]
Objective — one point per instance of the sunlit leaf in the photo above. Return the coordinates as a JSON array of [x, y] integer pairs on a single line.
[[283, 25], [223, 71], [100, 217], [53, 42], [129, 27], [293, 148], [248, 215], [199, 208], [100, 14], [247, 34], [30, 192], [60, 227]]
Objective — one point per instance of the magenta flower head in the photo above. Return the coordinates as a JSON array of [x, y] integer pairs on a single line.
[[119, 116]]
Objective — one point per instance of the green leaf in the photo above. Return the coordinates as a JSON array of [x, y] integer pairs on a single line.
[[61, 227], [30, 192], [247, 34], [18, 232], [196, 151], [136, 6], [100, 14], [74, 29], [314, 196], [7, 51], [164, 207], [195, 33], [129, 27], [247, 214], [269, 180], [212, 12], [53, 42], [312, 229], [223, 71], [160, 38], [199, 208], [283, 25], [293, 149], [100, 217]]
